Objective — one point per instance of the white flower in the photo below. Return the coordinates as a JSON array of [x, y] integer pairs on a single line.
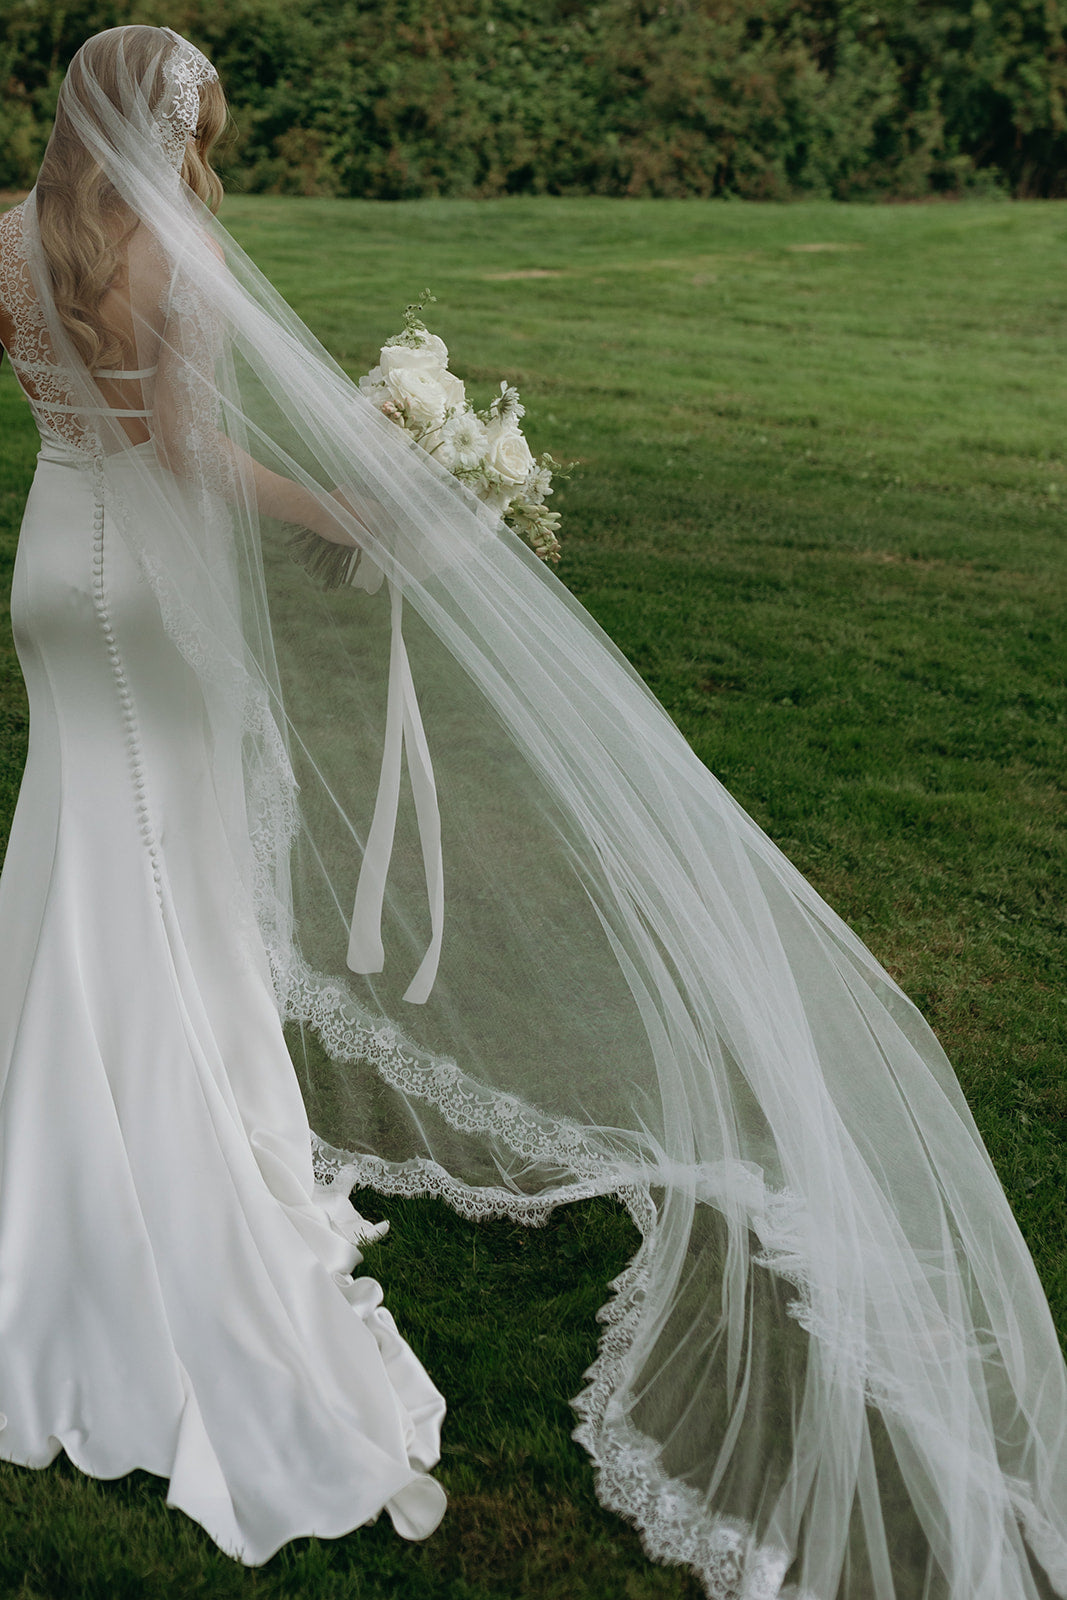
[[539, 485], [507, 405], [509, 455], [372, 384], [496, 498], [485, 450], [463, 443], [430, 355], [425, 393]]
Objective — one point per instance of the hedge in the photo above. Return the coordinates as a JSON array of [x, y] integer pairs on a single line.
[[749, 98]]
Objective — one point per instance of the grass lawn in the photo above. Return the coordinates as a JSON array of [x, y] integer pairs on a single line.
[[821, 506]]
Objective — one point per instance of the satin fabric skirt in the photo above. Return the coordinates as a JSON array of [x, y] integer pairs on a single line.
[[176, 1291]]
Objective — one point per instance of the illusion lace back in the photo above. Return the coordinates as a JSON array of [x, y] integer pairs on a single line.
[[178, 1294]]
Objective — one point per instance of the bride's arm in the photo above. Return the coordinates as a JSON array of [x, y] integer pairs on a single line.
[[194, 447], [186, 426], [288, 501]]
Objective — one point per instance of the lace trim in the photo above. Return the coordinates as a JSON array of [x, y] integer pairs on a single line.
[[674, 1526], [420, 1177], [349, 1032], [671, 1519], [31, 346]]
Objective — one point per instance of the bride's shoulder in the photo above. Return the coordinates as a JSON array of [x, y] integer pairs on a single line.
[[158, 271], [11, 233], [159, 266], [13, 286]]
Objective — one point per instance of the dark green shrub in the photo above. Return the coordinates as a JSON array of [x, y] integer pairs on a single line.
[[754, 98]]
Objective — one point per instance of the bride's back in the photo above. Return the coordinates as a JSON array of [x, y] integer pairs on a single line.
[[128, 118], [128, 319]]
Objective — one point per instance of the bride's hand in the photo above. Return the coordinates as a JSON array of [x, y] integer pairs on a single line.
[[330, 527]]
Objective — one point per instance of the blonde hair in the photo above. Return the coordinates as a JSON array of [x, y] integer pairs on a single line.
[[83, 221]]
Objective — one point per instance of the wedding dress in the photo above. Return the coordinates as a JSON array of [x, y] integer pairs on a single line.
[[561, 962], [176, 1288]]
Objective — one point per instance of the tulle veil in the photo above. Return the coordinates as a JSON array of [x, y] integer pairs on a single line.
[[530, 950]]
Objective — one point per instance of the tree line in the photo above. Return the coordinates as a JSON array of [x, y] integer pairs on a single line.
[[758, 99]]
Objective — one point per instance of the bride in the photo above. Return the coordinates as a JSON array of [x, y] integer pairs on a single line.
[[249, 966]]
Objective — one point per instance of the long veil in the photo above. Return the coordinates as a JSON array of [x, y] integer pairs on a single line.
[[529, 950]]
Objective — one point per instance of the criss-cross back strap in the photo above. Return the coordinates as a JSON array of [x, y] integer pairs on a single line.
[[112, 374]]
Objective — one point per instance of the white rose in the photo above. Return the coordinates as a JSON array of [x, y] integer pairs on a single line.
[[509, 454], [455, 393], [425, 395], [496, 499], [372, 383], [429, 355]]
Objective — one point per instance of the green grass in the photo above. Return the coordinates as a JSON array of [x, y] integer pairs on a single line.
[[820, 506]]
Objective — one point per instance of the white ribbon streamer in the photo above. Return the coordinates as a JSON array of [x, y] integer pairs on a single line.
[[404, 734]]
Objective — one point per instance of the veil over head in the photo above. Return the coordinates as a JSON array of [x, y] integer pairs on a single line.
[[530, 950]]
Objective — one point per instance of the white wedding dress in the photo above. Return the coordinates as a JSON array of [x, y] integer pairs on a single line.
[[176, 1291]]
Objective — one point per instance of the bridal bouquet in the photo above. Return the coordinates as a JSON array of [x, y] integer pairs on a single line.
[[485, 450]]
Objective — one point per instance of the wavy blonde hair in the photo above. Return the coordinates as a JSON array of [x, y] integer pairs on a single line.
[[83, 221]]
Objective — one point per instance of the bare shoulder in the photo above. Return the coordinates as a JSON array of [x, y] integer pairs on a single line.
[[145, 260], [154, 265]]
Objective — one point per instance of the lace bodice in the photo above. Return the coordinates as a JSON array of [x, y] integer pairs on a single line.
[[48, 385]]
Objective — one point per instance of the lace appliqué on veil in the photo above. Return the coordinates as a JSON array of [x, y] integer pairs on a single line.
[[185, 69], [672, 1520]]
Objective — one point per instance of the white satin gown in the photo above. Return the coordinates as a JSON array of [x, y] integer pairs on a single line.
[[176, 1291]]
